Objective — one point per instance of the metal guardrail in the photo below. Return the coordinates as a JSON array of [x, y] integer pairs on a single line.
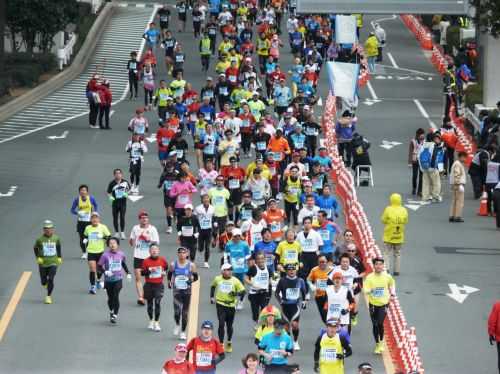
[[64, 54], [472, 118]]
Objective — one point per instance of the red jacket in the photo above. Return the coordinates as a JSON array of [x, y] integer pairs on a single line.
[[164, 137], [494, 321], [105, 95]]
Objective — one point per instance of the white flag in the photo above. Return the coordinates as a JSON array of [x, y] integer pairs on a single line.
[[343, 79], [345, 29]]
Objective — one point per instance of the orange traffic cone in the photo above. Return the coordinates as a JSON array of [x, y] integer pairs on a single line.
[[483, 205]]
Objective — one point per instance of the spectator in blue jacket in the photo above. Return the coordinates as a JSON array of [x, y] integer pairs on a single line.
[[344, 130]]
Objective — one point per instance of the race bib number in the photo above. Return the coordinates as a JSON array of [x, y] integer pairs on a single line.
[[335, 310], [165, 141], [95, 235], [187, 230], [143, 246], [261, 146], [275, 227], [329, 354], [378, 292], [257, 195], [225, 287], [245, 123], [167, 185], [292, 256], [155, 272], [223, 91], [115, 266], [49, 249], [209, 149], [321, 284], [135, 153], [205, 223], [219, 200], [183, 199], [238, 263], [307, 244], [181, 282], [262, 281], [120, 193], [83, 216], [232, 78], [246, 214], [325, 235], [292, 293], [256, 237], [203, 358], [234, 183], [179, 152]]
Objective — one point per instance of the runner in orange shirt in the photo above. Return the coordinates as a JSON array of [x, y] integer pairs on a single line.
[[317, 280], [278, 148], [275, 219]]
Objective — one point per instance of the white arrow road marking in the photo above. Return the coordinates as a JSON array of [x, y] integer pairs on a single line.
[[135, 198], [370, 102], [12, 191], [389, 144], [62, 136], [416, 204], [459, 294], [413, 207], [152, 138]]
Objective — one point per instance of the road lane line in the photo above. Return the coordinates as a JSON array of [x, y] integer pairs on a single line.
[[14, 300], [393, 62], [386, 356], [372, 91], [424, 113], [193, 311]]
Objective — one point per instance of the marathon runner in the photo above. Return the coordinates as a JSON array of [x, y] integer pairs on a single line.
[[275, 348], [182, 273], [96, 234], [112, 264], [48, 255], [179, 364], [258, 277], [82, 208], [118, 190], [330, 350], [208, 352]]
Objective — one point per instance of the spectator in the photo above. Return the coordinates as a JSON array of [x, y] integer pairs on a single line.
[[414, 148], [381, 37], [430, 159], [371, 50], [251, 364], [105, 98], [458, 179], [494, 328]]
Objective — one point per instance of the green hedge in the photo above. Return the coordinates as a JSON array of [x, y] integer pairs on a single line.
[[473, 95]]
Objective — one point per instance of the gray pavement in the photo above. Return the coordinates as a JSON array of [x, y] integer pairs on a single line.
[[73, 335]]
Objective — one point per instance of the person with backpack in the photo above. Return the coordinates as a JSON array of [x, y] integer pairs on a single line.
[[431, 161]]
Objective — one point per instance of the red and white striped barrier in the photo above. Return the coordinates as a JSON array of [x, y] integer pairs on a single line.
[[401, 339]]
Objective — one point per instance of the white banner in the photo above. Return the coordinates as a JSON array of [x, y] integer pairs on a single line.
[[345, 29], [343, 79]]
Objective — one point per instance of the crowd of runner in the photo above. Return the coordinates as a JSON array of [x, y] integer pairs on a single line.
[[244, 177]]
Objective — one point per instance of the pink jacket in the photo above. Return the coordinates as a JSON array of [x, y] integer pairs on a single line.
[[182, 191]]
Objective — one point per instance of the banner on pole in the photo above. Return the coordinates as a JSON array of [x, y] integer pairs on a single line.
[[345, 29], [343, 79]]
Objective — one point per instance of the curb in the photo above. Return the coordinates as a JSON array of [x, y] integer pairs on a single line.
[[73, 71]]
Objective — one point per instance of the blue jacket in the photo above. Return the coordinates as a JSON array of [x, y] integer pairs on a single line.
[[329, 204], [345, 132]]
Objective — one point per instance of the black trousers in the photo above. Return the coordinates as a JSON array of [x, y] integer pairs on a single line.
[[104, 113], [477, 185], [181, 308], [377, 315], [80, 228], [258, 301], [310, 260], [113, 290], [416, 179], [489, 191], [133, 84], [246, 140], [93, 112], [320, 302], [225, 315], [118, 210], [205, 62], [135, 172], [345, 150], [189, 242], [291, 212], [204, 242], [47, 275]]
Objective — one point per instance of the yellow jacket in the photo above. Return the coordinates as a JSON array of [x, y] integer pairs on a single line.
[[371, 46], [395, 217]]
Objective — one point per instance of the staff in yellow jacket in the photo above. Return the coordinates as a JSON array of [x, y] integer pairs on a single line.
[[394, 218], [371, 50]]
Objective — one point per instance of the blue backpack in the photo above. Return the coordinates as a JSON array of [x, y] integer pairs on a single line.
[[425, 159]]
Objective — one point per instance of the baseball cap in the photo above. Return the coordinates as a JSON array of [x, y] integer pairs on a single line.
[[226, 266], [96, 214], [337, 274], [331, 322], [233, 159], [365, 365], [143, 213], [181, 347], [188, 206], [48, 224], [207, 325], [290, 267], [236, 231], [209, 78], [182, 249]]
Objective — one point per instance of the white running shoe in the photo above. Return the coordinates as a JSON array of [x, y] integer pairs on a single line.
[[182, 335], [177, 330], [169, 230], [117, 235], [101, 285], [122, 235], [151, 325], [296, 346], [136, 190], [84, 256], [132, 189], [206, 265], [239, 305], [157, 327]]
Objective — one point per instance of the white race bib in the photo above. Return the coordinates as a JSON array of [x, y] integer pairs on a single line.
[[49, 249]]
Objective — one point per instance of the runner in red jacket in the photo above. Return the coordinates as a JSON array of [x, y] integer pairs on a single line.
[[494, 328], [179, 364]]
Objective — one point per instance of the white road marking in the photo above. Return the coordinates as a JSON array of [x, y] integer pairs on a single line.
[[424, 113], [12, 191], [382, 19], [407, 70], [389, 144], [459, 294], [62, 136], [393, 62], [372, 91]]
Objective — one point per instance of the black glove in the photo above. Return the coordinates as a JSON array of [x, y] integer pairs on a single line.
[[344, 312], [492, 339], [316, 367], [340, 356]]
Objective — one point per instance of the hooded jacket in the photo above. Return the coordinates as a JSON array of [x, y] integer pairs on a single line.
[[394, 218]]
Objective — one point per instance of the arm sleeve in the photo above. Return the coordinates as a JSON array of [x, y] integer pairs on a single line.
[[346, 346], [94, 203], [317, 348], [493, 319], [59, 249], [73, 206], [125, 267]]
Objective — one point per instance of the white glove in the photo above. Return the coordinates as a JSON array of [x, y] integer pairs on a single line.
[[196, 235], [308, 297], [108, 273], [85, 241], [129, 277]]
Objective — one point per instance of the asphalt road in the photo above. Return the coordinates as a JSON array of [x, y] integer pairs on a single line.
[[74, 336]]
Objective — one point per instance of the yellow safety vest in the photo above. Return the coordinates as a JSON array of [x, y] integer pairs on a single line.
[[329, 348]]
